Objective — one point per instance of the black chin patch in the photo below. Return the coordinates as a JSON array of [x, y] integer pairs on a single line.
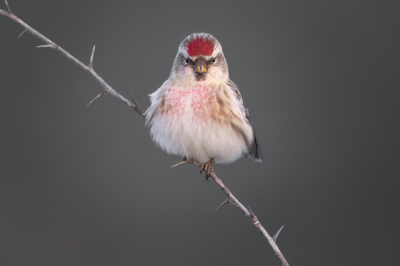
[[200, 77]]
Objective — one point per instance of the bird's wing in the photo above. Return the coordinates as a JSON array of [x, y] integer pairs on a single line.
[[255, 149]]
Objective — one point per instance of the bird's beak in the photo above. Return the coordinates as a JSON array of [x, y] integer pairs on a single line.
[[200, 66]]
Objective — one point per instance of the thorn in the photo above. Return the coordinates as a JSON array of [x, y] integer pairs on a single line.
[[136, 106], [277, 233], [91, 57], [133, 99], [8, 7], [22, 33], [223, 204], [98, 96], [46, 46], [250, 211], [181, 163], [252, 216]]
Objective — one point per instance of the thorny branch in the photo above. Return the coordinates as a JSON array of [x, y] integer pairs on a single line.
[[247, 211], [88, 68], [108, 90]]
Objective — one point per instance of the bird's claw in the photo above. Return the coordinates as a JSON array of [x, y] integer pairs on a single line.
[[207, 168]]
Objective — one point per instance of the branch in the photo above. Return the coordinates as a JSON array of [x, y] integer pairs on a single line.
[[89, 68], [247, 211], [108, 90]]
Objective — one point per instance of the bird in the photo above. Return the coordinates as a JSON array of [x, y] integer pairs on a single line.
[[198, 112]]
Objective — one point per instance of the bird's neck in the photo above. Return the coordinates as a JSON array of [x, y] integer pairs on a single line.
[[187, 83]]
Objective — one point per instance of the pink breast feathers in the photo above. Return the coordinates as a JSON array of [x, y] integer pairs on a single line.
[[202, 101], [197, 100]]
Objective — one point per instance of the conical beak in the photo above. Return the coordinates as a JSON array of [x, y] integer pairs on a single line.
[[200, 66]]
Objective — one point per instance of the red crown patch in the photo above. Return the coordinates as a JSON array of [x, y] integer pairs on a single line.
[[200, 46]]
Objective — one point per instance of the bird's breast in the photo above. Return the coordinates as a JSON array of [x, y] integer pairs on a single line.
[[197, 102], [199, 122]]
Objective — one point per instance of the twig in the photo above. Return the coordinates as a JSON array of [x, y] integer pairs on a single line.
[[89, 68], [247, 211], [8, 7]]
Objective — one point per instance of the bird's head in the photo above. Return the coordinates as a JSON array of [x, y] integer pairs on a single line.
[[200, 60]]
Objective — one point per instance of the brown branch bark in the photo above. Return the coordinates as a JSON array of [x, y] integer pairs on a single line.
[[109, 90]]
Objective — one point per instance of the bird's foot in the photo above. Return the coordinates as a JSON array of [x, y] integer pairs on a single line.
[[207, 168]]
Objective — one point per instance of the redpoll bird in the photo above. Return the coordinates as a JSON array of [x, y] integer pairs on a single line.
[[198, 113]]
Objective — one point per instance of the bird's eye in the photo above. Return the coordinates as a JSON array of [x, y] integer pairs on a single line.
[[186, 60], [213, 59]]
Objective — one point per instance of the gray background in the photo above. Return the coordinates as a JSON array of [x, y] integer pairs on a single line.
[[86, 186]]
